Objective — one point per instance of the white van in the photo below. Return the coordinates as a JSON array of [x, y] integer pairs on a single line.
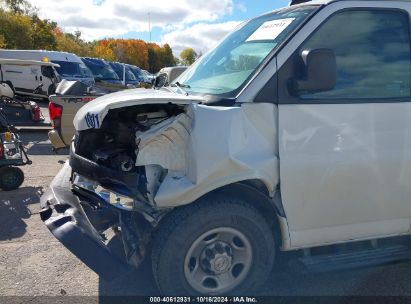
[[29, 77], [293, 134], [70, 66]]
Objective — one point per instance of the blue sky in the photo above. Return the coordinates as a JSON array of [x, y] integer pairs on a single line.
[[181, 23], [242, 10]]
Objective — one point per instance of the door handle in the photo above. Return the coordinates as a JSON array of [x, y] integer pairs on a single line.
[[36, 78], [41, 78]]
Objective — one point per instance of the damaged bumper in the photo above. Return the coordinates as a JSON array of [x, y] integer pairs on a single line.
[[65, 216]]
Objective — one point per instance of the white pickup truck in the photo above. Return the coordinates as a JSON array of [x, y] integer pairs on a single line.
[[293, 134]]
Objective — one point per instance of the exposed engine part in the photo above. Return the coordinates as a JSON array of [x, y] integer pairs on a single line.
[[149, 119], [148, 143], [114, 158], [123, 161]]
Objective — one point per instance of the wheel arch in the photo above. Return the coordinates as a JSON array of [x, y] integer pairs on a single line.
[[255, 190], [256, 193]]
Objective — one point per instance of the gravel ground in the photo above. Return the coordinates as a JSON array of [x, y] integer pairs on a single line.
[[33, 263]]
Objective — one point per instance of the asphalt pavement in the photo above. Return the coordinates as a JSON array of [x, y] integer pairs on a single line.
[[33, 263]]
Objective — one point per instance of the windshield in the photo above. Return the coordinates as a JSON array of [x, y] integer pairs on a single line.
[[69, 69], [137, 73], [130, 76], [224, 70], [102, 71], [85, 71], [119, 68]]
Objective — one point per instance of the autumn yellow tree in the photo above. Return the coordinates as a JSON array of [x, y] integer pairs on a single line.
[[21, 28], [103, 50], [72, 43], [167, 56], [148, 56], [188, 56]]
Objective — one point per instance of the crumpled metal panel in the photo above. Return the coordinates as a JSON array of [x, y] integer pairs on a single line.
[[226, 145], [166, 144]]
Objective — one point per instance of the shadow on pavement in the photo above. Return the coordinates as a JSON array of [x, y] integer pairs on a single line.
[[45, 148], [37, 143], [14, 209]]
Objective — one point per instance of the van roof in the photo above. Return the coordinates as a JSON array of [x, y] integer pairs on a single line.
[[322, 2], [95, 61], [94, 58], [133, 66], [27, 62], [36, 51], [39, 55]]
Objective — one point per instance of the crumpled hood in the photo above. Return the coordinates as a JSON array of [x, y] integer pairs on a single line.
[[91, 115]]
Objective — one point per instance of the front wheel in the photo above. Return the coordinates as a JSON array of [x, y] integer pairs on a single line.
[[219, 246], [11, 178]]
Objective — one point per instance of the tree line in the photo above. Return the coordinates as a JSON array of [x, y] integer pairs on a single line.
[[22, 28]]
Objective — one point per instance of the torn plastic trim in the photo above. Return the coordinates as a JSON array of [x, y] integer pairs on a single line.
[[64, 216]]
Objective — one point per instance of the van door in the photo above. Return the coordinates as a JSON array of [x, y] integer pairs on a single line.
[[49, 80], [345, 154], [24, 78]]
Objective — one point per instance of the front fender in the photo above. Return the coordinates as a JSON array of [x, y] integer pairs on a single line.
[[226, 145]]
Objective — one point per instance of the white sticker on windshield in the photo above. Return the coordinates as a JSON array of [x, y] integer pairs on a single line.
[[270, 30]]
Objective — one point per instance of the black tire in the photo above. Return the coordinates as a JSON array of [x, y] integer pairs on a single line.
[[11, 178], [182, 229]]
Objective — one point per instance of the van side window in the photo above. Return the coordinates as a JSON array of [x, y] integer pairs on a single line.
[[373, 54]]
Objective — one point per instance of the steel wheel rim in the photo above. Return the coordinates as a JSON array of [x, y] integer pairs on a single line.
[[218, 261]]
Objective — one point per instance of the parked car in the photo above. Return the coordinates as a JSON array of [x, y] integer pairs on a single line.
[[104, 75], [125, 74], [70, 66], [290, 135], [29, 77], [142, 77], [150, 76], [101, 70]]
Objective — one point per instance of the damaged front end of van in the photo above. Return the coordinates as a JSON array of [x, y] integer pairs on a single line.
[[138, 155]]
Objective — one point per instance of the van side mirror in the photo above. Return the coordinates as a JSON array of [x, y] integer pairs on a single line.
[[320, 71], [161, 80]]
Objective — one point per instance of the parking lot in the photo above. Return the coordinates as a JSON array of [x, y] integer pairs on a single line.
[[34, 263]]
